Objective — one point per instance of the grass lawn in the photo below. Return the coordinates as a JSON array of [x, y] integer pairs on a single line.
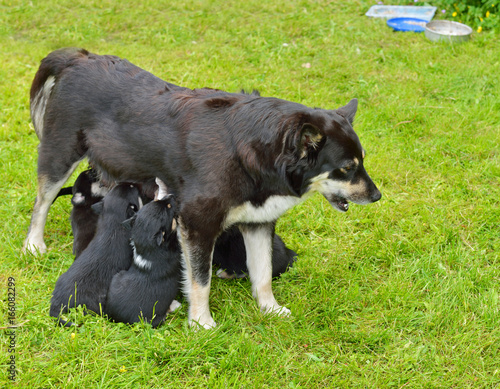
[[400, 293]]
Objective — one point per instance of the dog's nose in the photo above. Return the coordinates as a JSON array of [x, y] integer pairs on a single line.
[[376, 195]]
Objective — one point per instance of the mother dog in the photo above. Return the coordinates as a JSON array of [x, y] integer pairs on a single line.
[[229, 158]]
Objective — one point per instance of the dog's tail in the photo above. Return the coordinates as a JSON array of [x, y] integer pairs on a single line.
[[45, 79]]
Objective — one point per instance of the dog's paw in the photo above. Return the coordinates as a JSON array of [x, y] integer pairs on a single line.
[[174, 306], [199, 324], [277, 310], [34, 248]]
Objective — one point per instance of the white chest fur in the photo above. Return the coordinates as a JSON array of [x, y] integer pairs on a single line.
[[269, 211]]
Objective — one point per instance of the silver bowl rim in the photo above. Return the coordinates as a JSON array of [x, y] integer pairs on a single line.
[[448, 22]]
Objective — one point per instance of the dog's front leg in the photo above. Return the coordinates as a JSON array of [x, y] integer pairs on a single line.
[[198, 273], [258, 244]]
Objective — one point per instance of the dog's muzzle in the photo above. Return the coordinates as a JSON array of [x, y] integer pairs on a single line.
[[339, 203]]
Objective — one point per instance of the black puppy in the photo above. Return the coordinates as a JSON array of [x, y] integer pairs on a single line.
[[87, 280], [86, 192], [147, 290], [230, 255]]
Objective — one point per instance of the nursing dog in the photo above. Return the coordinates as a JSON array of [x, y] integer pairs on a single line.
[[229, 158], [148, 288], [87, 280]]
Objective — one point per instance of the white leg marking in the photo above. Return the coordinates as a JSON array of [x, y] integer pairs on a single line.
[[34, 242], [258, 245], [197, 295]]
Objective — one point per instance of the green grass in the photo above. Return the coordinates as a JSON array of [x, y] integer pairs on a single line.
[[400, 293]]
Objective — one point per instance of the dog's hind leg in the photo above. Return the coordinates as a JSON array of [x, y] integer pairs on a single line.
[[48, 188], [258, 245]]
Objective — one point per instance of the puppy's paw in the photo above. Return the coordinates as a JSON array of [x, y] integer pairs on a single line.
[[174, 306], [227, 276]]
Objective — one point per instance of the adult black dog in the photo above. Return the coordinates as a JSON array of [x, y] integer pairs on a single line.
[[87, 280], [148, 288], [228, 158]]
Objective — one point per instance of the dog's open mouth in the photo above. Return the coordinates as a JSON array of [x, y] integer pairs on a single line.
[[339, 203]]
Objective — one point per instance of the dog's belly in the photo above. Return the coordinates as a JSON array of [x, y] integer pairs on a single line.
[[269, 211]]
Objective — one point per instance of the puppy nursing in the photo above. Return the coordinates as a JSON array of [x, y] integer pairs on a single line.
[[87, 280], [148, 288]]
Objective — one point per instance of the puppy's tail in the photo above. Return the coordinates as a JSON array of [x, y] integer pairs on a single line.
[[64, 192], [45, 78]]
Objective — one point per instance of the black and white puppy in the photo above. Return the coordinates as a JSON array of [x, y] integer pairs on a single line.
[[87, 191], [229, 158], [230, 255], [87, 280], [148, 288]]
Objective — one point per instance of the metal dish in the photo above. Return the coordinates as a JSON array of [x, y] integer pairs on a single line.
[[446, 30]]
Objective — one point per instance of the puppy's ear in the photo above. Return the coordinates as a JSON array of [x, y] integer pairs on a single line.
[[310, 139], [132, 210], [129, 223], [160, 237], [162, 189], [349, 111], [98, 207]]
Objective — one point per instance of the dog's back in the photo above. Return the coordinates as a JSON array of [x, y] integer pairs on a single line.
[[148, 288], [109, 252]]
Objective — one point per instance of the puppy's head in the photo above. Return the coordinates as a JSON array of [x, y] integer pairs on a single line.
[[121, 203], [87, 189], [330, 159], [155, 224]]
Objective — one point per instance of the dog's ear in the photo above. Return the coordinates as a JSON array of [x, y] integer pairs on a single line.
[[132, 210], [162, 189], [97, 207], [160, 237], [348, 111], [310, 139], [129, 223]]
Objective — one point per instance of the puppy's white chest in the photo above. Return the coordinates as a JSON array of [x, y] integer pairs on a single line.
[[269, 211]]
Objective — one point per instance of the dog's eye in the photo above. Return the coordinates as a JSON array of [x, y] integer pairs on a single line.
[[346, 169], [133, 207]]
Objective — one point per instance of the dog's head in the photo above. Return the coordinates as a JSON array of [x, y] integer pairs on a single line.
[[87, 189], [155, 224], [121, 203], [329, 159]]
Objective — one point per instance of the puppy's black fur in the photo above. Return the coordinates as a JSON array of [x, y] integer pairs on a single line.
[[229, 158], [86, 192], [87, 280], [231, 258], [147, 289]]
